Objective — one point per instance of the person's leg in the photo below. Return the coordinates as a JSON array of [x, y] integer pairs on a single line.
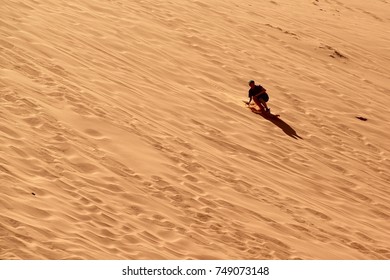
[[263, 103], [259, 103]]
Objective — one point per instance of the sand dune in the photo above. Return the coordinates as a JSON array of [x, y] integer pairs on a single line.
[[123, 134]]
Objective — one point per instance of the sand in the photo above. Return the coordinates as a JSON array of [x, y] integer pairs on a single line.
[[123, 134]]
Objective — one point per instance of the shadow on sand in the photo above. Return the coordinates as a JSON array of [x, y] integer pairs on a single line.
[[279, 123]]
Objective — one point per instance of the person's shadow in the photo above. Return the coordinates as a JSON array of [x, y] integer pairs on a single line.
[[279, 123]]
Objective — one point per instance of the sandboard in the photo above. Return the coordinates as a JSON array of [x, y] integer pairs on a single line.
[[259, 112]]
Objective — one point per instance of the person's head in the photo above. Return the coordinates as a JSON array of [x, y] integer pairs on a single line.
[[251, 83]]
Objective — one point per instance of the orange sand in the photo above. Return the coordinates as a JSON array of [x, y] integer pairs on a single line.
[[123, 134]]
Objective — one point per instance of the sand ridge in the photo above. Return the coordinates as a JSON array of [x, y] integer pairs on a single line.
[[123, 134]]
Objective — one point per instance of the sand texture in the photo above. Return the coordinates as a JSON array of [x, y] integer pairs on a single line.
[[123, 134]]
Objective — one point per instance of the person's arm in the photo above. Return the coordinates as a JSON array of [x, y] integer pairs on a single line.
[[250, 97], [263, 90]]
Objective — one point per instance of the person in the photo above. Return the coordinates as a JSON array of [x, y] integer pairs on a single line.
[[259, 96]]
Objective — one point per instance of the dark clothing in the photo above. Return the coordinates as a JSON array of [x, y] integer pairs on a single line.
[[263, 96], [256, 90]]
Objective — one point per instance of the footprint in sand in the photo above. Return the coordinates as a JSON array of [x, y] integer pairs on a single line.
[[94, 133], [9, 132]]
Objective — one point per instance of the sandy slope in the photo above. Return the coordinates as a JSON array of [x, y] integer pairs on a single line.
[[123, 134]]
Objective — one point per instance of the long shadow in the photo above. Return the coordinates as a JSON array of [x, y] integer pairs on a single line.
[[279, 123]]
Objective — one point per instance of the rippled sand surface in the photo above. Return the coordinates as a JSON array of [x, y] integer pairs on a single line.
[[123, 134]]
